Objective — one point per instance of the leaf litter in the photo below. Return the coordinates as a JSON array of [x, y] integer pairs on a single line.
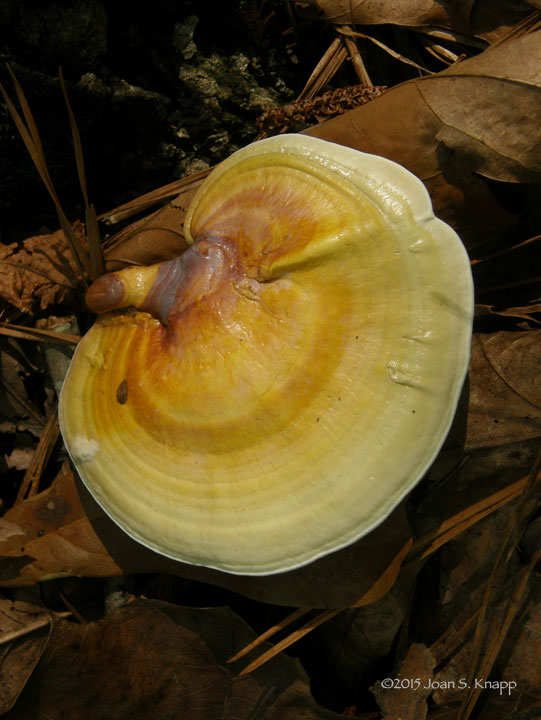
[[449, 578]]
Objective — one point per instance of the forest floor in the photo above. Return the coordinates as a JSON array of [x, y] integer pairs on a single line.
[[436, 613]]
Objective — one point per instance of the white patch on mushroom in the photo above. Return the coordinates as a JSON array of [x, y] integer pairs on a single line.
[[95, 360], [402, 375], [84, 449]]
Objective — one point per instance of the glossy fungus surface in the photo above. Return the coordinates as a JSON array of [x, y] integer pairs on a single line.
[[273, 393]]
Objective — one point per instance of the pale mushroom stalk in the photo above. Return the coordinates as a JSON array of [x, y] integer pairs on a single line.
[[272, 394], [166, 289]]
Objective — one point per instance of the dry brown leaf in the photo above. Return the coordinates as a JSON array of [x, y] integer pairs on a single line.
[[407, 698], [157, 237], [356, 640], [478, 117], [62, 531], [21, 657], [151, 659], [481, 578], [49, 535], [41, 274], [505, 397], [524, 660], [479, 17], [519, 663], [468, 561], [154, 237], [481, 479], [14, 367], [407, 12], [490, 109], [158, 196]]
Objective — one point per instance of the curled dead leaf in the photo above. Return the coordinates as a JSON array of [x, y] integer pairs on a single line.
[[505, 402], [407, 699], [478, 117], [151, 239], [153, 659], [41, 274], [24, 651], [485, 18]]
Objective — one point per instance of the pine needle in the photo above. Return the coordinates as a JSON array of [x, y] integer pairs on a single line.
[[269, 633], [325, 70], [484, 655], [42, 453], [96, 262], [290, 639], [29, 133], [27, 333], [79, 158], [349, 33], [455, 525], [535, 238], [154, 197], [421, 548]]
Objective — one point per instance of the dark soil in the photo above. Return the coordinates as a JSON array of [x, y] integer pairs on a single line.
[[159, 90]]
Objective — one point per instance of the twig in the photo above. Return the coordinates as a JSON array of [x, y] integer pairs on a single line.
[[357, 62], [441, 53]]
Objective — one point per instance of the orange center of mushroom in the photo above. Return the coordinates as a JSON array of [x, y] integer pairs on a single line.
[[226, 350]]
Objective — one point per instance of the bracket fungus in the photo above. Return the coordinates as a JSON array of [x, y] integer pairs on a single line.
[[272, 394]]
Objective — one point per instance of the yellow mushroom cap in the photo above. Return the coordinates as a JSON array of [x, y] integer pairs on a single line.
[[274, 393]]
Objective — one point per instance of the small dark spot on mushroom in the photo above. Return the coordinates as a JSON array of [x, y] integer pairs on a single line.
[[413, 411], [317, 419], [122, 392], [339, 399], [356, 337]]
